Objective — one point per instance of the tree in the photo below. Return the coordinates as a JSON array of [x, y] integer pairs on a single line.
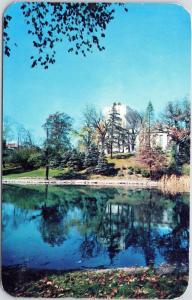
[[176, 116], [134, 120], [12, 130], [99, 124], [24, 137], [91, 156], [27, 158], [81, 25], [6, 37], [57, 127], [87, 133], [103, 167], [155, 159], [7, 135], [146, 134], [114, 125], [148, 123], [149, 153], [75, 160]]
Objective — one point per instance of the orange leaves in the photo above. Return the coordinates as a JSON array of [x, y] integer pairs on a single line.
[[103, 284], [113, 292]]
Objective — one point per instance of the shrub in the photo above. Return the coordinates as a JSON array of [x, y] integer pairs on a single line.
[[65, 158], [130, 170], [27, 158], [186, 169], [145, 173], [103, 167], [123, 155], [120, 173], [137, 170], [174, 168], [91, 156], [35, 160], [75, 160]]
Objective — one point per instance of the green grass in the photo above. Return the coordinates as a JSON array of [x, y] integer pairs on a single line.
[[125, 162], [91, 284], [35, 173], [119, 163]]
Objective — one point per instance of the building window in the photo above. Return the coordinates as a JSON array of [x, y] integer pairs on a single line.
[[161, 140]]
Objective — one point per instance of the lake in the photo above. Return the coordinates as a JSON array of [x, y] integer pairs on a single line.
[[78, 227]]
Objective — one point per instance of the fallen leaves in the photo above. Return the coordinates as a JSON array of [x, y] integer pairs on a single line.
[[91, 284]]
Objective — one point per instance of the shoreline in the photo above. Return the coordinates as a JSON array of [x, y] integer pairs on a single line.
[[172, 184], [90, 182], [164, 268]]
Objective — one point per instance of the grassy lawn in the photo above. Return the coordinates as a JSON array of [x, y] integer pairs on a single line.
[[119, 163], [91, 284], [35, 173], [125, 162]]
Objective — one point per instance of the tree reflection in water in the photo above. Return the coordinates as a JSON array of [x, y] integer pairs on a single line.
[[52, 225], [108, 220]]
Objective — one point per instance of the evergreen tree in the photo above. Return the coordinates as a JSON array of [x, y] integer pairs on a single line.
[[103, 167], [146, 137], [148, 123], [75, 160], [113, 128], [91, 156]]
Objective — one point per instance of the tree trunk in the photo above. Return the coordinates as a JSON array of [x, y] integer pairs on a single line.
[[47, 172], [4, 164], [123, 145], [111, 150], [150, 171], [47, 159]]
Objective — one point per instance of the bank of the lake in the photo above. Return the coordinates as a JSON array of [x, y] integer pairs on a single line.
[[161, 283], [100, 182], [168, 183]]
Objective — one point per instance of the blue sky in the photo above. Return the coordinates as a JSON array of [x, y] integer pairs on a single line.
[[147, 57]]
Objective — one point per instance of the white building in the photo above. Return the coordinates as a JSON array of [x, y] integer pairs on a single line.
[[162, 140], [12, 145], [159, 138]]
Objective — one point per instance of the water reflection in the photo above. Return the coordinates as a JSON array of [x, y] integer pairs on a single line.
[[76, 227]]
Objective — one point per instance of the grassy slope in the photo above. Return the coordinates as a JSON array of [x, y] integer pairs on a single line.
[[125, 162], [119, 164], [35, 173], [109, 284]]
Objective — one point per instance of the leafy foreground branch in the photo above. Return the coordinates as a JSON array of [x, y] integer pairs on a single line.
[[100, 284]]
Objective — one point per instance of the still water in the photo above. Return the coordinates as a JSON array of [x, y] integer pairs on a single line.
[[76, 227]]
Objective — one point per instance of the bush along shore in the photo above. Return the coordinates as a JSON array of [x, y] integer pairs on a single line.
[[161, 283]]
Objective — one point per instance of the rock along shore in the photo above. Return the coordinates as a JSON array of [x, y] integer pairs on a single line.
[[99, 182]]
